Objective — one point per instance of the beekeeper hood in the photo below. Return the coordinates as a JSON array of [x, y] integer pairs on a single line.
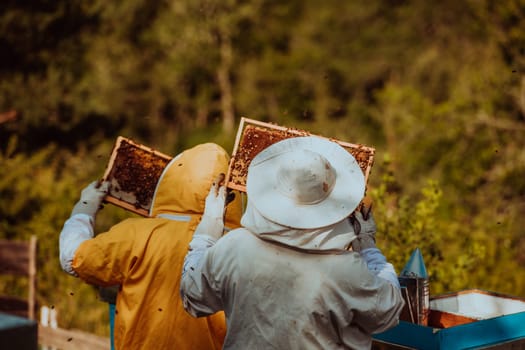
[[301, 191], [186, 180]]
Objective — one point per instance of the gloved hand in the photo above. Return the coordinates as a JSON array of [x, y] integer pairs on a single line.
[[212, 222], [216, 200], [91, 198], [365, 229]]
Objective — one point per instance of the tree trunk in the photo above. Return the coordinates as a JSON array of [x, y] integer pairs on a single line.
[[223, 77]]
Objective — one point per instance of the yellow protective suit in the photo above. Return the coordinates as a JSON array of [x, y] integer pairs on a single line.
[[145, 256]]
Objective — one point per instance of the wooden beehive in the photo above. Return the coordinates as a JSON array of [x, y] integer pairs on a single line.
[[469, 319], [253, 136], [133, 170]]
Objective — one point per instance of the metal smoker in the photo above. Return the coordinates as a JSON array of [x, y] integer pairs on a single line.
[[415, 290]]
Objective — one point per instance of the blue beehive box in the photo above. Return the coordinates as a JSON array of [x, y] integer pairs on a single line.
[[470, 319], [18, 333]]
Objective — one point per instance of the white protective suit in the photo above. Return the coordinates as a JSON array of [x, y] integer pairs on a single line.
[[283, 288]]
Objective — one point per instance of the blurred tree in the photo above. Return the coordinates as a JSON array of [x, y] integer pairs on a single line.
[[455, 116], [38, 193], [43, 60], [437, 88]]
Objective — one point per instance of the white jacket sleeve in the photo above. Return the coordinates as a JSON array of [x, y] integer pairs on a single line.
[[77, 229], [198, 287], [378, 265], [198, 246]]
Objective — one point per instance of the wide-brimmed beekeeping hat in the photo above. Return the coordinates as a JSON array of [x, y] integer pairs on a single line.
[[305, 182]]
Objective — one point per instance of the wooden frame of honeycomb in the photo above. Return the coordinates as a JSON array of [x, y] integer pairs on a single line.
[[253, 136], [133, 170]]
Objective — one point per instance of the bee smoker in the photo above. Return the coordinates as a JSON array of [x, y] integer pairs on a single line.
[[415, 290]]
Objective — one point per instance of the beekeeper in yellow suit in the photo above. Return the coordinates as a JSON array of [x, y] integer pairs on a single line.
[[145, 255]]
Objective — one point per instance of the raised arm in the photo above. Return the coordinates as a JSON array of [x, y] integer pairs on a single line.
[[365, 243], [199, 298], [79, 227]]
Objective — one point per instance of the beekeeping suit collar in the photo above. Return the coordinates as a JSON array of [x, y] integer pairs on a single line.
[[333, 238], [186, 180]]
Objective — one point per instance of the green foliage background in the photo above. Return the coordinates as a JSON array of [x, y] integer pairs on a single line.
[[437, 88]]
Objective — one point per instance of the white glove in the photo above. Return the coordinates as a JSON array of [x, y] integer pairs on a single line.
[[91, 198], [365, 229], [212, 222]]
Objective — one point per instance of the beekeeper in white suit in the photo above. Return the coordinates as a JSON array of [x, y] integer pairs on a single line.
[[297, 275]]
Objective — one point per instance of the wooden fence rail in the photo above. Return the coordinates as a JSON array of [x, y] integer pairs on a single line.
[[65, 339]]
